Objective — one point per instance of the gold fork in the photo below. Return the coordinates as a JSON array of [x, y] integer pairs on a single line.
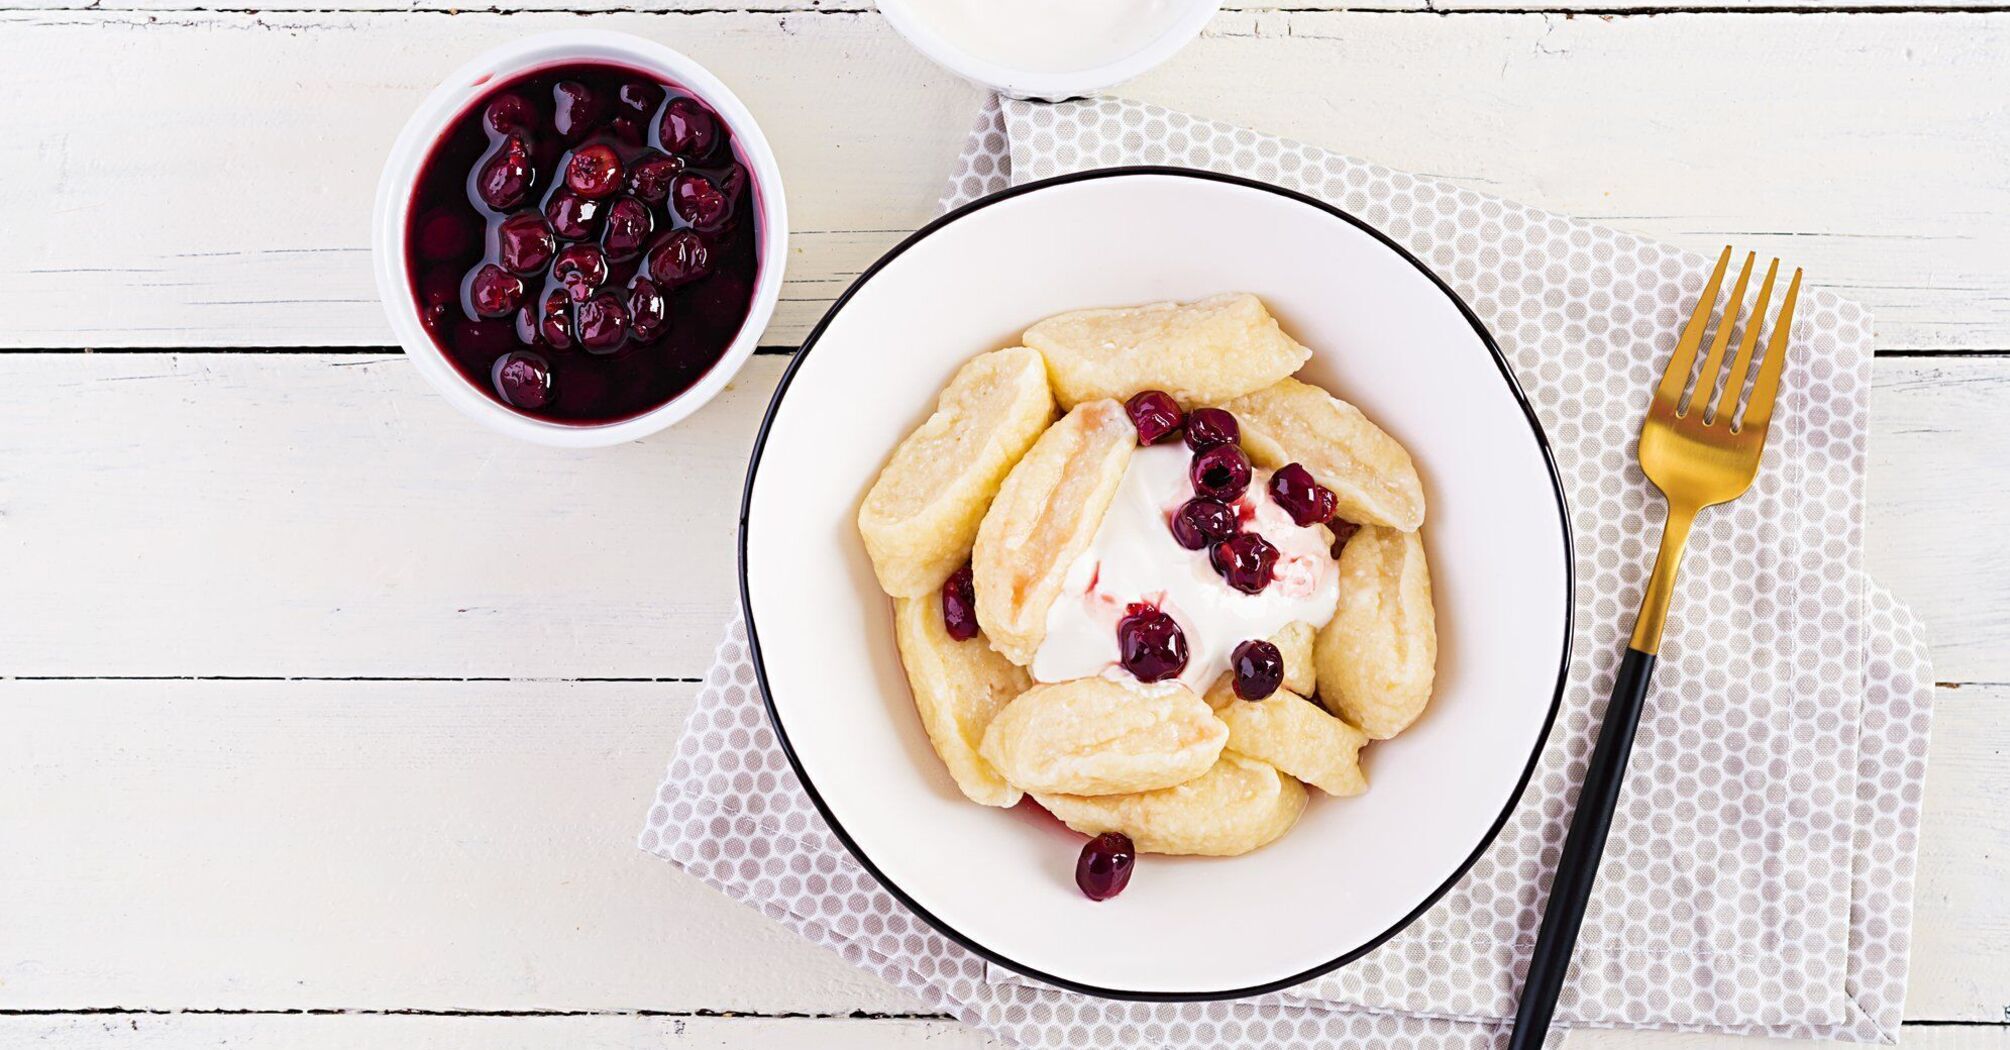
[[1698, 456]]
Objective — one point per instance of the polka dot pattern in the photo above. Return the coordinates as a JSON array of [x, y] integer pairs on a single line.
[[1759, 873]]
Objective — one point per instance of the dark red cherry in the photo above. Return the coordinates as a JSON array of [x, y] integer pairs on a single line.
[[1207, 428], [1150, 644], [506, 177], [525, 321], [575, 109], [448, 234], [638, 98], [522, 379], [555, 324], [1245, 561], [959, 605], [1155, 414], [581, 268], [648, 311], [510, 112], [572, 216], [1201, 523], [689, 129], [1104, 868], [627, 129], [699, 202], [524, 243], [594, 171], [680, 258], [649, 177], [1307, 501], [1342, 532], [733, 183], [601, 322], [1220, 473], [1257, 669], [628, 226], [494, 291]]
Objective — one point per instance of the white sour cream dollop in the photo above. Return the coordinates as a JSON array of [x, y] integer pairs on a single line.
[[1048, 36], [1134, 558]]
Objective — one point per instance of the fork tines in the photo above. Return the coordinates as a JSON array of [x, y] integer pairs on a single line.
[[1670, 396]]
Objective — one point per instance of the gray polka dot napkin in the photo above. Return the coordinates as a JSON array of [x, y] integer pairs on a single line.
[[1759, 873]]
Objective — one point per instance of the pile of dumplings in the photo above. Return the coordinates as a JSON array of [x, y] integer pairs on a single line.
[[1012, 475]]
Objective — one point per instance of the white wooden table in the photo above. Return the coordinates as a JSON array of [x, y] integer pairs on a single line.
[[293, 750]]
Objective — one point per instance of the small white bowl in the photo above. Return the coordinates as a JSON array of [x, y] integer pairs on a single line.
[[1190, 17], [1387, 335], [447, 103]]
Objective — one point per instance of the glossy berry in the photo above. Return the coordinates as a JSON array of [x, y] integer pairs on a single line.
[[522, 379], [575, 109], [494, 291], [1342, 532], [1257, 669], [509, 112], [1155, 414], [525, 322], [1307, 501], [1201, 523], [628, 227], [601, 323], [1221, 473], [581, 268], [507, 175], [959, 605], [648, 311], [627, 129], [1104, 868], [1245, 561], [638, 98], [698, 202], [524, 243], [649, 177], [554, 324], [594, 171], [572, 216], [1150, 644], [733, 183], [1208, 428], [689, 129], [680, 258]]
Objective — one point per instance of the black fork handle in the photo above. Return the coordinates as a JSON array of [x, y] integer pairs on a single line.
[[1570, 891]]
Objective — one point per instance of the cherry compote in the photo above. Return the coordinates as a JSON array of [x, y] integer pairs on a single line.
[[584, 243]]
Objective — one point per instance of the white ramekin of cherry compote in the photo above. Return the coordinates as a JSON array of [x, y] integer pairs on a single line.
[[580, 237]]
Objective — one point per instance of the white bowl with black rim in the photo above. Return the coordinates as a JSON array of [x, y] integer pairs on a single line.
[[1387, 335]]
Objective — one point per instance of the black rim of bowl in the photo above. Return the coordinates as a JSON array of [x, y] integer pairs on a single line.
[[837, 826]]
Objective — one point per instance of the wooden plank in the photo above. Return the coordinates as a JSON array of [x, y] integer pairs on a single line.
[[326, 515], [286, 515], [469, 846], [1961, 916], [390, 845], [1934, 536], [190, 1031], [236, 227]]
